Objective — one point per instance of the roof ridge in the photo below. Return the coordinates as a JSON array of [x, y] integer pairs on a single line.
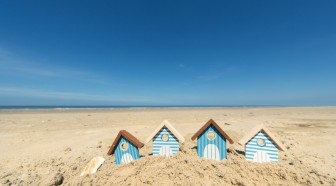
[[128, 136], [255, 131], [206, 125], [171, 128]]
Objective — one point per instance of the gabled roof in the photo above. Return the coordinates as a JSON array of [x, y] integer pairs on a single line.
[[165, 123], [128, 136], [255, 131], [213, 123]]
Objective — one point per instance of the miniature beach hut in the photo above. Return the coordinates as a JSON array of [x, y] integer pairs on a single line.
[[211, 141], [125, 147], [261, 146], [165, 139]]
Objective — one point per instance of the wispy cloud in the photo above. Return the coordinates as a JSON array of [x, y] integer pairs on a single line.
[[181, 65], [216, 74], [211, 76], [4, 52], [36, 71], [14, 91], [61, 95], [15, 67]]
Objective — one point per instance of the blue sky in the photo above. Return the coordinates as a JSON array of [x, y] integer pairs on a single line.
[[167, 52]]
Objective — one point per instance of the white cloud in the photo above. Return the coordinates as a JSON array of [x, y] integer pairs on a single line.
[[181, 65], [213, 75], [19, 68], [4, 52], [71, 96], [48, 94]]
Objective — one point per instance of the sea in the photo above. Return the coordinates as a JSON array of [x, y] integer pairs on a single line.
[[64, 108]]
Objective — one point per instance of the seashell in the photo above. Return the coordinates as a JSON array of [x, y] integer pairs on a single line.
[[93, 165]]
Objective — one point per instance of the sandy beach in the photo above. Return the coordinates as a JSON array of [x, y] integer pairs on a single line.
[[41, 147]]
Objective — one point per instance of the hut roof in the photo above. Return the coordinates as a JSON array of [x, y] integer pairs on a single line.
[[128, 136], [255, 131], [165, 123], [207, 124]]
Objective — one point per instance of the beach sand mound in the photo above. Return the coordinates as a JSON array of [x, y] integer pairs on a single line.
[[53, 147], [183, 169]]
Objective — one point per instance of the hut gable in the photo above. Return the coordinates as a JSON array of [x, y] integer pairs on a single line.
[[170, 127], [125, 148], [214, 124], [261, 146], [258, 129], [165, 139], [211, 141]]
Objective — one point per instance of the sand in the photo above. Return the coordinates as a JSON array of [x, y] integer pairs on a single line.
[[52, 147]]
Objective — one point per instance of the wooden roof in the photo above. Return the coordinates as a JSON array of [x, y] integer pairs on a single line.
[[165, 123], [255, 131], [213, 123], [128, 136]]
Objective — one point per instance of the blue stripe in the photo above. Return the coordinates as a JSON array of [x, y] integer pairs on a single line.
[[165, 143], [267, 142], [252, 148], [219, 142], [171, 145], [158, 142], [269, 155], [157, 148], [270, 148], [253, 153], [272, 160], [132, 150]]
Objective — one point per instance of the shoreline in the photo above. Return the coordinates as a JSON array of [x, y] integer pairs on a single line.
[[38, 109]]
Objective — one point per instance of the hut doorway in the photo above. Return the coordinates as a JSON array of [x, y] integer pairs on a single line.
[[126, 158], [211, 152], [166, 151], [261, 156]]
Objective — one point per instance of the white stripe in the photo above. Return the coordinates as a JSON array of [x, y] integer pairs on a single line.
[[166, 143], [261, 148], [268, 152], [158, 147]]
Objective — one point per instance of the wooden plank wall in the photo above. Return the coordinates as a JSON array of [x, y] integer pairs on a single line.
[[158, 142], [270, 147], [132, 149], [219, 141]]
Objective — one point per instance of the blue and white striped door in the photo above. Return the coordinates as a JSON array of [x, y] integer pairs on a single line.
[[261, 156], [126, 158], [211, 152], [165, 151]]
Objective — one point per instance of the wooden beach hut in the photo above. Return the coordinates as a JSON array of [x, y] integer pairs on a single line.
[[261, 145], [165, 139], [125, 147], [211, 141]]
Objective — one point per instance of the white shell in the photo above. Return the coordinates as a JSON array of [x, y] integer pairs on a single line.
[[93, 165]]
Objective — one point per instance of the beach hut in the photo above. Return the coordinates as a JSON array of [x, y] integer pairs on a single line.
[[165, 139], [125, 147], [261, 145], [211, 141]]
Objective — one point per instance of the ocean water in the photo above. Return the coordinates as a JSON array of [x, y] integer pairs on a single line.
[[63, 108]]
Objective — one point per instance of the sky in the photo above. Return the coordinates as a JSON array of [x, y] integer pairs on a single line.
[[151, 53]]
